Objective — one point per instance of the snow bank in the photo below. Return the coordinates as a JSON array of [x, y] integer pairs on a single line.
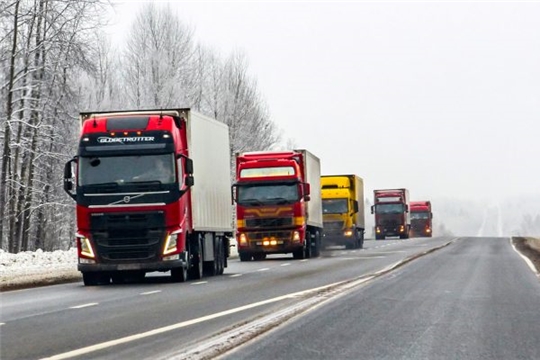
[[34, 268]]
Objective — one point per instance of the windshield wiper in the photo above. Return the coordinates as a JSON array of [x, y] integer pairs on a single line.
[[250, 202], [148, 182], [113, 183], [280, 200]]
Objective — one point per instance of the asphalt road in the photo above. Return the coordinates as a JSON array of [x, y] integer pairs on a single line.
[[474, 298]]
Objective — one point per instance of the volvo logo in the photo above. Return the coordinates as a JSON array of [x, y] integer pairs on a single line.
[[127, 199]]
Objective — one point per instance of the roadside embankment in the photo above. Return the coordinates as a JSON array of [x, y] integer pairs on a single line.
[[529, 247]]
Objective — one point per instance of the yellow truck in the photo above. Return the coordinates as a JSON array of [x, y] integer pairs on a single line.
[[343, 210]]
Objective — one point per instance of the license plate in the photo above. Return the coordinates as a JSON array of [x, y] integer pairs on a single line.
[[128, 267]]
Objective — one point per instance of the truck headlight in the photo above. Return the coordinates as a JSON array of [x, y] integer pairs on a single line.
[[242, 239], [401, 228], [85, 246], [348, 232], [296, 236], [171, 244]]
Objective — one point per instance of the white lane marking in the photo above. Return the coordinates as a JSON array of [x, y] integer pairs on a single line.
[[304, 260], [286, 264], [2, 324], [235, 275], [199, 283], [263, 269], [83, 306], [150, 292], [127, 339]]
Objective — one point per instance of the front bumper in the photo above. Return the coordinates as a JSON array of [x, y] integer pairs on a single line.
[[163, 265]]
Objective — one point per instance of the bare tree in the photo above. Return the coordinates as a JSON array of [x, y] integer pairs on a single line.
[[158, 59], [49, 46]]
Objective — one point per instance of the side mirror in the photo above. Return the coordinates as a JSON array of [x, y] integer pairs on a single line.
[[68, 178], [372, 209], [406, 208], [307, 192], [355, 206], [189, 166], [431, 214], [190, 181], [234, 189]]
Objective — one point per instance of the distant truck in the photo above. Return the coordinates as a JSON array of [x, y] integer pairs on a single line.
[[278, 204], [153, 194], [343, 210], [421, 218], [391, 209]]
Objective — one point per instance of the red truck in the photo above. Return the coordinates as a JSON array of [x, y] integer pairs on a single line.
[[421, 218], [278, 204], [152, 192], [391, 209]]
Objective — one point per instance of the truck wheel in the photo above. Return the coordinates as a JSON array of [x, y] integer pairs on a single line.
[[316, 249], [222, 257], [307, 245], [179, 274], [118, 278], [299, 254], [196, 270], [245, 256], [259, 256], [95, 278]]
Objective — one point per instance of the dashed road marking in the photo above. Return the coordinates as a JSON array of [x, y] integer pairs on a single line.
[[199, 283], [235, 275], [286, 264], [150, 292], [263, 269], [83, 306], [304, 260]]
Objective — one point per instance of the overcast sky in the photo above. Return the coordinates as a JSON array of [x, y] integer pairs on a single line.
[[442, 98]]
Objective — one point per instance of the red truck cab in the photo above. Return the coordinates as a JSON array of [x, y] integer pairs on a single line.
[[273, 202], [421, 218], [391, 209]]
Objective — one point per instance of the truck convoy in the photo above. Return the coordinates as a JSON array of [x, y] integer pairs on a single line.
[[278, 204], [421, 218], [343, 210], [152, 192], [391, 209]]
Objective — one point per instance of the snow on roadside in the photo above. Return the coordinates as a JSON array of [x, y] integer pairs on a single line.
[[30, 268]]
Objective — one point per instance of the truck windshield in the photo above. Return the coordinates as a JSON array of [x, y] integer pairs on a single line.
[[334, 206], [419, 215], [389, 208], [126, 169], [264, 194]]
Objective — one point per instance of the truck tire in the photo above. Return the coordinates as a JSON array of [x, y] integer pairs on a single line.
[[179, 275], [95, 278], [118, 278], [196, 269], [222, 257], [299, 254], [316, 247], [244, 256], [259, 256], [307, 245]]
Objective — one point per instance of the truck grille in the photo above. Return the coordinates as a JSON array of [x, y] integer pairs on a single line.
[[333, 225], [269, 222], [128, 236], [278, 235]]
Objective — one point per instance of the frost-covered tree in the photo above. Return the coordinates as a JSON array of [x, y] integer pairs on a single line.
[[44, 47], [158, 60]]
